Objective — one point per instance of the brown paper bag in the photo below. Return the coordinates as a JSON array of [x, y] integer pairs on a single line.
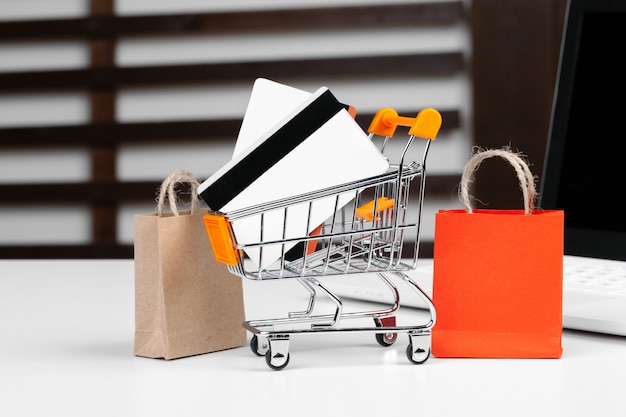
[[186, 303]]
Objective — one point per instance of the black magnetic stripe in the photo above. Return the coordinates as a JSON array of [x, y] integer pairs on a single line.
[[272, 150]]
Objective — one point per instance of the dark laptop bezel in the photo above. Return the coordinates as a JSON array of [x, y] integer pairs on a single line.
[[581, 242]]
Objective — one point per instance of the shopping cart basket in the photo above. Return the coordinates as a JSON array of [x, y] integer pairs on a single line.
[[377, 231]]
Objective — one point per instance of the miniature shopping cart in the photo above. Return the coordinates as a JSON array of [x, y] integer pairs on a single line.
[[376, 232]]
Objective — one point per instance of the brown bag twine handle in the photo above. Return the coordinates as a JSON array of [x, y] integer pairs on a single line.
[[167, 188], [525, 177]]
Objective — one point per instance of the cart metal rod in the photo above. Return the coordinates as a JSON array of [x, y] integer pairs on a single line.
[[383, 329], [323, 317], [407, 172], [320, 237]]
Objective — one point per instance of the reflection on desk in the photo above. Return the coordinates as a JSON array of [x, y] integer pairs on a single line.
[[66, 349]]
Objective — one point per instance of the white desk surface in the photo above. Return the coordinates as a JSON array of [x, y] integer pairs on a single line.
[[66, 348]]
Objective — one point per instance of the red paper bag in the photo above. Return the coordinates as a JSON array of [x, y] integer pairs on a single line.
[[498, 276]]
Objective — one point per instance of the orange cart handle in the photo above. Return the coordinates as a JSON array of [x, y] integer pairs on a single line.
[[425, 125], [219, 232], [366, 211]]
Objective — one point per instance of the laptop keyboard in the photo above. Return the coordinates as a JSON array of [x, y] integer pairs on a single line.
[[594, 275]]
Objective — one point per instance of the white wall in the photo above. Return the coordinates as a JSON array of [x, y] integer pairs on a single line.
[[34, 224]]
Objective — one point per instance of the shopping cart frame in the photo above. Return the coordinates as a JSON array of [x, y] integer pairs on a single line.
[[359, 238]]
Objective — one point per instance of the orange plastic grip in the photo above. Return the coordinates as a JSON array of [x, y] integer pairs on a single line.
[[426, 125], [366, 211], [218, 229]]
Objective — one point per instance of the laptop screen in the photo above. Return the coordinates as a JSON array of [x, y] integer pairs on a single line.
[[585, 166]]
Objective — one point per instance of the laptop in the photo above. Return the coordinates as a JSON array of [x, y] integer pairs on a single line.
[[584, 165], [584, 173]]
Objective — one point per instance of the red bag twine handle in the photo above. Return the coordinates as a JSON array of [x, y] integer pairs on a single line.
[[525, 177]]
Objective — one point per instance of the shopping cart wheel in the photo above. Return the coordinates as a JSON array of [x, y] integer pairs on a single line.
[[277, 357], [418, 350], [276, 362], [259, 347], [386, 339], [417, 356]]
